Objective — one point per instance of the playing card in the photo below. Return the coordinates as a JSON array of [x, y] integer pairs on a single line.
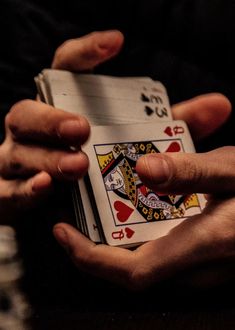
[[92, 229], [107, 100], [111, 204], [94, 85], [129, 212]]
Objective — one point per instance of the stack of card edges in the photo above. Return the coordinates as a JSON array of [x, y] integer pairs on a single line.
[[129, 117]]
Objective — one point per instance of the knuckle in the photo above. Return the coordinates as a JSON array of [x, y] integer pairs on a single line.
[[50, 162], [21, 105], [187, 171], [60, 57], [12, 118], [194, 172], [14, 164]]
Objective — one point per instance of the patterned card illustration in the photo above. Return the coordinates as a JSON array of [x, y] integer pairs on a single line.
[[130, 212]]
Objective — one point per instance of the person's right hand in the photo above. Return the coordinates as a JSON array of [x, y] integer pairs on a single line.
[[198, 251], [36, 150]]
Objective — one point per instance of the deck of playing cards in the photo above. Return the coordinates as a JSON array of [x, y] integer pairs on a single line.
[[129, 117]]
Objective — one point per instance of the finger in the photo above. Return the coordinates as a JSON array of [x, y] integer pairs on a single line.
[[151, 262], [18, 195], [101, 260], [131, 269], [203, 114], [33, 121], [19, 160], [187, 173], [87, 52]]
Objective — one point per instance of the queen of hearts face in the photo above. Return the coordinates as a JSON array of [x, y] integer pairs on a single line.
[[114, 180]]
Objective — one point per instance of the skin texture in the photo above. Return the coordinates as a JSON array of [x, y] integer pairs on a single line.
[[36, 150], [33, 132]]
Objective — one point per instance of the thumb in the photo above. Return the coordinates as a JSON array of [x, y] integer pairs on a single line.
[[203, 114], [179, 173], [87, 52]]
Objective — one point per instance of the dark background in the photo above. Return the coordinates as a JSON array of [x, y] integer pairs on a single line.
[[188, 46]]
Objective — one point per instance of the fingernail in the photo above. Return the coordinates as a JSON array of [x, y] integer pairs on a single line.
[[157, 168], [73, 165], [61, 236]]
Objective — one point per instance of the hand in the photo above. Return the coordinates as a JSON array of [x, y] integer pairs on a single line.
[[206, 238], [87, 52], [36, 146], [36, 150]]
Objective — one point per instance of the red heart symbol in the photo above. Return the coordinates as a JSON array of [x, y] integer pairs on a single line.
[[129, 232], [173, 147], [123, 211], [168, 131]]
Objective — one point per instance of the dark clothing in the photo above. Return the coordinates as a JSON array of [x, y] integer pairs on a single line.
[[188, 45]]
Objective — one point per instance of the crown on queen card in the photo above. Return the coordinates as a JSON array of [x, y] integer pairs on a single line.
[[130, 117]]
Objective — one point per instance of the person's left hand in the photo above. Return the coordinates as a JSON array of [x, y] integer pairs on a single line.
[[205, 238]]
